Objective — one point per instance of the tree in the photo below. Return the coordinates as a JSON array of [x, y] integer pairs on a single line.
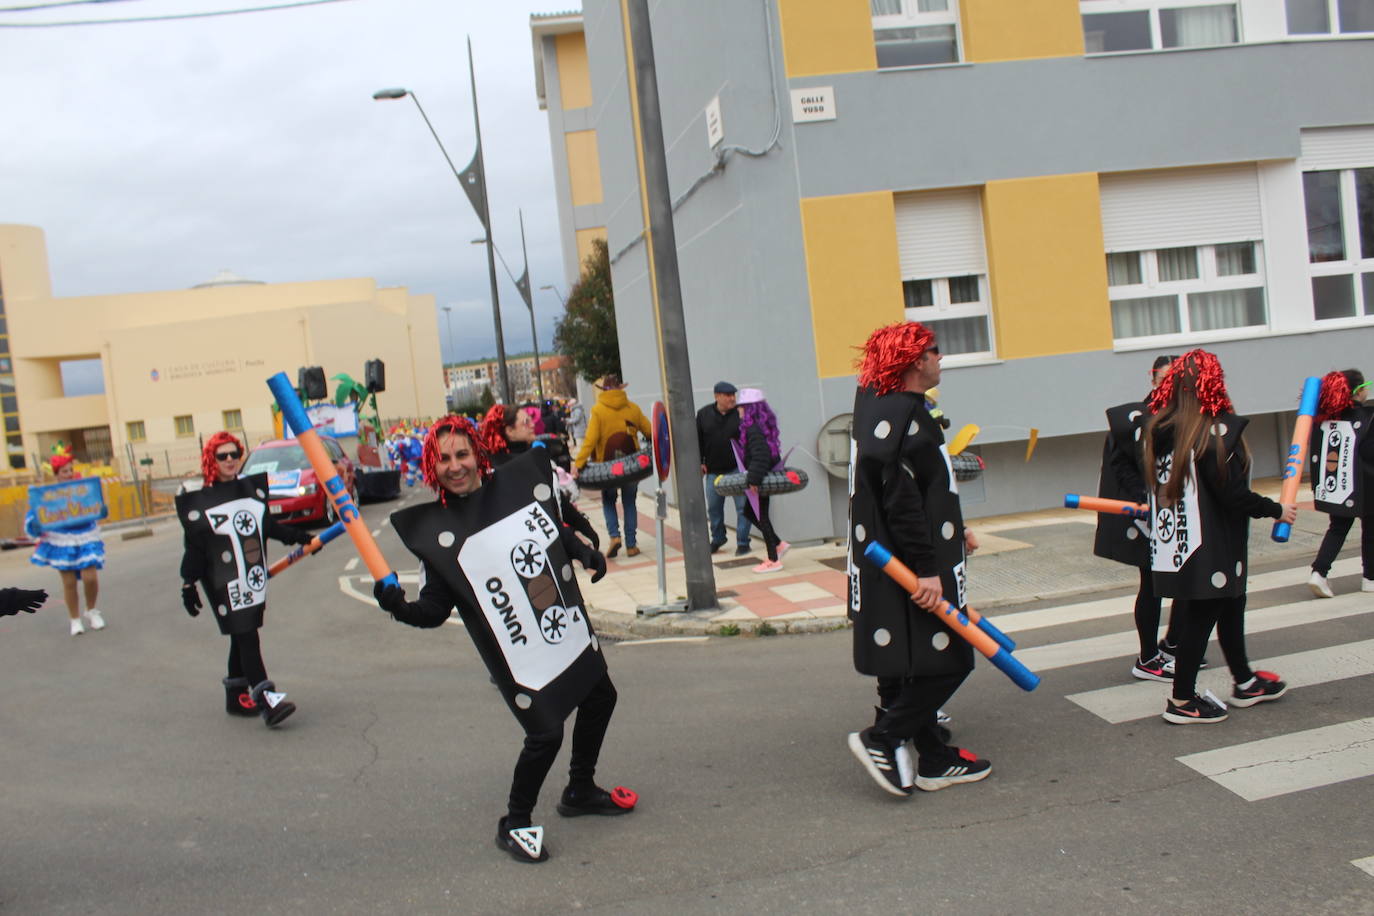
[[586, 333]]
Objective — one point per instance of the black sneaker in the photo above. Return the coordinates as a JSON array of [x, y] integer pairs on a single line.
[[525, 844], [1159, 668], [1265, 685], [715, 547], [962, 765], [274, 706], [743, 551], [1200, 710], [597, 800], [889, 766]]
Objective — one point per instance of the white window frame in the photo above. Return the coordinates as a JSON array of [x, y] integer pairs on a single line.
[[1353, 265], [1333, 21], [1153, 7], [912, 18], [944, 310], [1207, 281]]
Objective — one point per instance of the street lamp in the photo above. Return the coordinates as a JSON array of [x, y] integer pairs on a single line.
[[448, 318], [482, 211], [556, 293]]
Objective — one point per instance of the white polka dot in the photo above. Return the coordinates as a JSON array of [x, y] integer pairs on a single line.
[[882, 637], [221, 610], [1357, 424], [193, 515], [226, 556], [1132, 533], [596, 643], [261, 495], [882, 429], [1220, 428], [1314, 459], [1350, 502], [1131, 417], [940, 641], [446, 538], [911, 430], [542, 492], [947, 530], [523, 701], [1218, 579], [566, 572], [1240, 567], [1137, 434], [860, 534]]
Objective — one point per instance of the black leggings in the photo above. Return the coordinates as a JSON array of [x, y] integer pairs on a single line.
[[1195, 620], [1147, 607], [761, 521], [245, 658], [911, 704], [1336, 531], [537, 756]]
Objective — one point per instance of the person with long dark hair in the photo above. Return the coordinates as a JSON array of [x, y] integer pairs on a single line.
[[1201, 505], [758, 443], [1342, 458]]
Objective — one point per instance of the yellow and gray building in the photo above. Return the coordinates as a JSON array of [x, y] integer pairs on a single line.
[[1063, 189]]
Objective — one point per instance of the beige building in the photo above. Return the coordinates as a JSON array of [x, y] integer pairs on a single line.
[[182, 364]]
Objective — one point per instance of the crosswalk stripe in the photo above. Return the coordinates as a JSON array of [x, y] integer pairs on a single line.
[[1288, 763], [1365, 865], [1142, 699]]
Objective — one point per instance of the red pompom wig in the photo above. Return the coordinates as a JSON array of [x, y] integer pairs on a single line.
[[209, 468], [59, 461], [451, 425], [1200, 372], [889, 352], [492, 432], [1335, 398]]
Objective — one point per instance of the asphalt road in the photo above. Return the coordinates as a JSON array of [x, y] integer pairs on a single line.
[[126, 789]]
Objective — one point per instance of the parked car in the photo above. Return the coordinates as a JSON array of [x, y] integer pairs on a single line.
[[295, 495]]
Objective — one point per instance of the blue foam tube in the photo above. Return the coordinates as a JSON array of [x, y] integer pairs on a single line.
[[1001, 638], [1020, 675]]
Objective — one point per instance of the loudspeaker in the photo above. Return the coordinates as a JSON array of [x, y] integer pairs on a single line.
[[374, 375], [310, 380]]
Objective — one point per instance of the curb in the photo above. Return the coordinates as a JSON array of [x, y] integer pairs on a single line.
[[699, 623]]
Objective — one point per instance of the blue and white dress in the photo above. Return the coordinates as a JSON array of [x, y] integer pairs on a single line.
[[70, 549]]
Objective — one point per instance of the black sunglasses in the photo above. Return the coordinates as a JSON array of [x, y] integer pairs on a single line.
[[228, 456]]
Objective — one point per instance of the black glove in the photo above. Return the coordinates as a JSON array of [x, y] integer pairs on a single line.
[[190, 598], [582, 525], [302, 537], [390, 598], [593, 560], [14, 600]]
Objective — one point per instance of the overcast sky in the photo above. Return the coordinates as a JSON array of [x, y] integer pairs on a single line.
[[155, 154]]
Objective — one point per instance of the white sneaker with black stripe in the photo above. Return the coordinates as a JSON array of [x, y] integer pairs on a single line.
[[963, 766], [889, 766]]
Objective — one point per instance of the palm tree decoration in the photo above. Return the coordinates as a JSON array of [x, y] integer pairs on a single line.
[[350, 389]]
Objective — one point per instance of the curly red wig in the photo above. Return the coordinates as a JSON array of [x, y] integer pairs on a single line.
[[1197, 371], [889, 352], [1335, 398], [492, 432], [451, 425], [208, 468]]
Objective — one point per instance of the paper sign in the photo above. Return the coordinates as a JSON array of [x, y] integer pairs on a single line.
[[69, 504], [815, 103]]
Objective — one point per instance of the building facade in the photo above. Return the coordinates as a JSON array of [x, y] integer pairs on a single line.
[[1063, 189], [183, 364]]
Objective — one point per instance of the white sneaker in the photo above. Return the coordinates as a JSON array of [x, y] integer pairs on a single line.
[[1367, 585], [1320, 587], [94, 620], [77, 628]]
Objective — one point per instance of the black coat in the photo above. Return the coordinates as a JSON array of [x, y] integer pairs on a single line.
[[904, 496], [1341, 454], [714, 432], [759, 457], [1125, 540]]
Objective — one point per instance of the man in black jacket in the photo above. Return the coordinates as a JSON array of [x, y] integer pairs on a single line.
[[717, 425]]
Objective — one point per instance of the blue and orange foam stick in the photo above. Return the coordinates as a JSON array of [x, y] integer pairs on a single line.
[[1106, 506], [1292, 466], [305, 550], [334, 488], [975, 634]]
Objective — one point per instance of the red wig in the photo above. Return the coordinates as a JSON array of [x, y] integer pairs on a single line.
[[448, 426], [889, 352], [209, 468], [1335, 398], [492, 432], [1200, 372]]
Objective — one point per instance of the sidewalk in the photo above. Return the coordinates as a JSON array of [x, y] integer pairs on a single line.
[[1023, 558]]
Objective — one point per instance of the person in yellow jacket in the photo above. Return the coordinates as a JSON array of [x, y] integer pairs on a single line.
[[611, 433]]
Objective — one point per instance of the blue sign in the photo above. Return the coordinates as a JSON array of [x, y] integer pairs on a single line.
[[69, 504], [283, 483]]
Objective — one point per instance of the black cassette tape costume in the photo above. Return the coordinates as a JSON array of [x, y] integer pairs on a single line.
[[225, 525], [493, 546], [1341, 457], [903, 495]]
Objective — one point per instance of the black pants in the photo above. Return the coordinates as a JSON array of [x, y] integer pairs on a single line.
[[1196, 618], [245, 658], [1336, 531], [1147, 608], [537, 756], [911, 704], [761, 521]]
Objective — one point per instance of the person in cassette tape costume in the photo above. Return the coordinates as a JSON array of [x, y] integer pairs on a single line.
[[492, 545], [1200, 509], [903, 495], [1342, 459], [226, 523]]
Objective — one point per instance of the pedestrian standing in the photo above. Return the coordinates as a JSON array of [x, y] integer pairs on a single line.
[[77, 553], [717, 424], [1342, 459], [759, 445], [613, 432], [1201, 505], [577, 421]]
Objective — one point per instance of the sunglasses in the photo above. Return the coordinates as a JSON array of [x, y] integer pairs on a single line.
[[228, 456]]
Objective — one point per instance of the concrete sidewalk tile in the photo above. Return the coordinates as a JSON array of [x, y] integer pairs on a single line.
[[799, 591], [735, 615]]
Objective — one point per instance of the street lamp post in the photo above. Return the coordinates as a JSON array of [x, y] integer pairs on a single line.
[[556, 293], [448, 320]]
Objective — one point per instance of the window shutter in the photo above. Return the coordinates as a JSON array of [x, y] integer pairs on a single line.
[[940, 234], [1337, 148], [1176, 207]]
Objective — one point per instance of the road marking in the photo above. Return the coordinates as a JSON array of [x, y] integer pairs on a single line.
[[1365, 865], [1289, 763], [664, 639], [386, 521], [376, 532], [351, 565], [1142, 699]]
